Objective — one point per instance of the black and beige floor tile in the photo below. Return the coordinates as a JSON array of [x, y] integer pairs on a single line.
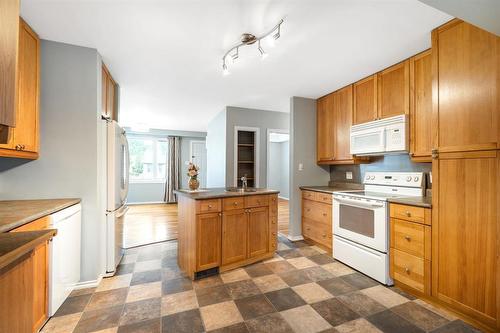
[[146, 277]]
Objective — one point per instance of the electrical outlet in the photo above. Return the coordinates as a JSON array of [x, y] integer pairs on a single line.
[[301, 166], [348, 175]]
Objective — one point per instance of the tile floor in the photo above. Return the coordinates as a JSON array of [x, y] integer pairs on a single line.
[[301, 289]]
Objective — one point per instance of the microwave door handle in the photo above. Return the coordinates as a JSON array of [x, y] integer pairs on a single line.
[[357, 203]]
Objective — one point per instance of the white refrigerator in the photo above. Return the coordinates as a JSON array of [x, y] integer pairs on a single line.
[[117, 176]]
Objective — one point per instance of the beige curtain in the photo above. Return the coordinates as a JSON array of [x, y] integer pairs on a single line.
[[173, 167]]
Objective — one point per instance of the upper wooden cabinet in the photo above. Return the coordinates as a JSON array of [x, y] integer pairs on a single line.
[[365, 100], [421, 107], [108, 95], [466, 71], [325, 129], [9, 32], [394, 90], [342, 106], [24, 138]]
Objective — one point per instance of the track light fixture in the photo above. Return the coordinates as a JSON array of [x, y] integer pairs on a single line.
[[249, 39]]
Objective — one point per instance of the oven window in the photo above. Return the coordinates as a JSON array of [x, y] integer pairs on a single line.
[[358, 220]]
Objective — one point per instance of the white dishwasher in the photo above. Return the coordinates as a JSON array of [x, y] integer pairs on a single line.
[[64, 264]]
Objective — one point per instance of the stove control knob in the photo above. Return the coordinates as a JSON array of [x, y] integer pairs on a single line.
[[367, 177], [416, 179], [408, 179]]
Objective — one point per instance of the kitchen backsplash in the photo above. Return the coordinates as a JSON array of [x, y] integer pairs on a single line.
[[400, 162]]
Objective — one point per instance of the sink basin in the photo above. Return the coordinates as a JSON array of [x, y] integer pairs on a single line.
[[241, 189]]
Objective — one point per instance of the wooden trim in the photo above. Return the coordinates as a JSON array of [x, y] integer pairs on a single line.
[[4, 152], [450, 24], [224, 268], [468, 154], [435, 89]]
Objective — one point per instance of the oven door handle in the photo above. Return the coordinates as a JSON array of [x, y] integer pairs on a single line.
[[359, 203]]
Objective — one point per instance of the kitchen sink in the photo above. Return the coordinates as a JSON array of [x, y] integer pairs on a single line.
[[240, 189]]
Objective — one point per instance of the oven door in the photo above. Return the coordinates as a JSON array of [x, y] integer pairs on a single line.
[[361, 221]]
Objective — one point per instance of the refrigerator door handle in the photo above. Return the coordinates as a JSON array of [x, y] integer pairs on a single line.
[[121, 212]]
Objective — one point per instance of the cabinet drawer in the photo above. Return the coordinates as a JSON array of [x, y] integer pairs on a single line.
[[410, 270], [409, 213], [317, 232], [317, 211], [324, 197], [256, 201], [233, 203], [408, 237], [208, 206], [309, 195]]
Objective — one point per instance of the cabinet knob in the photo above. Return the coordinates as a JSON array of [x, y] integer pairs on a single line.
[[209, 206], [220, 214], [324, 214], [274, 234], [273, 222], [324, 235], [235, 203], [308, 209], [407, 270], [18, 147], [408, 214], [308, 228], [408, 238]]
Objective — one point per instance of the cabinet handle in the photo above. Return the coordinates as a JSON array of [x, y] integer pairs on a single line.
[[308, 228], [235, 203], [324, 214], [18, 147], [408, 214], [273, 222], [308, 209], [220, 214], [274, 234], [209, 206], [407, 270], [408, 238], [434, 154], [23, 147]]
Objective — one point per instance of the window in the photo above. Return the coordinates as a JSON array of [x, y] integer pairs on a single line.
[[148, 157]]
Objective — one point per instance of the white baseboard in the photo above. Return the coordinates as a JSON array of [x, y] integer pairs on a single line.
[[145, 203], [88, 284], [283, 198], [295, 238]]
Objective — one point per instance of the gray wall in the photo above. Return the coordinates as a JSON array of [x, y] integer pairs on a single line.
[[252, 118], [380, 163], [278, 176], [303, 151], [71, 146], [141, 192], [484, 14], [216, 151]]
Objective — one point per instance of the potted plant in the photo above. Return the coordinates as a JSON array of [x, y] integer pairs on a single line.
[[192, 173]]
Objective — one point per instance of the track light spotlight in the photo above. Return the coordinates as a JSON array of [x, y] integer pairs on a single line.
[[263, 53], [225, 70]]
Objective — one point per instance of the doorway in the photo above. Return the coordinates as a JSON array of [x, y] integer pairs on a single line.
[[278, 177], [198, 156]]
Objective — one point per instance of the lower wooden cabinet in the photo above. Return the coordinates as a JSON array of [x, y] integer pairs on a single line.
[[317, 218], [40, 261], [208, 253], [258, 231], [234, 236]]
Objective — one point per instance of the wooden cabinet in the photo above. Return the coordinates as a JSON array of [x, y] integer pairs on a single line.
[[23, 139], [258, 231], [226, 233], [208, 241], [9, 27], [325, 121], [466, 224], [108, 95], [365, 100], [317, 218], [466, 83], [394, 90], [40, 260], [410, 255], [421, 107], [234, 236]]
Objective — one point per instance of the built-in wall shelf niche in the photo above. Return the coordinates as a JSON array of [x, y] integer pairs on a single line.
[[246, 156]]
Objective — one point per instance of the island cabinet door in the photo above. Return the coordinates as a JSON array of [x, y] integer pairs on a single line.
[[258, 231], [208, 239], [234, 236]]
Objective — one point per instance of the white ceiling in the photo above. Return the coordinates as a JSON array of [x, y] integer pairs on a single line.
[[166, 55]]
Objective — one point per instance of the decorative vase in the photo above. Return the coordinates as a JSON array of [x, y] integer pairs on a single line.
[[194, 184]]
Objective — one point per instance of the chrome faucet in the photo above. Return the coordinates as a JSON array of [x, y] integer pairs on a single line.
[[244, 182]]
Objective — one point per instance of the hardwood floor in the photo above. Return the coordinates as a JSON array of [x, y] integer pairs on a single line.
[[283, 216], [146, 224]]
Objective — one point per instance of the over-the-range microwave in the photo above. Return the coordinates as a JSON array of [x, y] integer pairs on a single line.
[[379, 137]]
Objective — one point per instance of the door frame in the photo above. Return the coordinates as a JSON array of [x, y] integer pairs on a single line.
[[268, 141]]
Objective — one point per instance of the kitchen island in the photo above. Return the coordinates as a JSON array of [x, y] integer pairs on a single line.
[[220, 230]]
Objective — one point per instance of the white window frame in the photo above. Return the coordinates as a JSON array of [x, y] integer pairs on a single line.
[[155, 140]]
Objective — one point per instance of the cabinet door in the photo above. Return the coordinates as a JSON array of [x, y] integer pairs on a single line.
[[110, 102], [421, 106], [465, 227], [26, 131], [104, 92], [234, 236], [467, 74], [343, 120], [208, 238], [394, 90], [365, 100], [258, 231], [325, 129]]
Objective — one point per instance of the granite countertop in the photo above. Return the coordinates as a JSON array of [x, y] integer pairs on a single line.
[[425, 202], [216, 193], [334, 187], [14, 245], [15, 213]]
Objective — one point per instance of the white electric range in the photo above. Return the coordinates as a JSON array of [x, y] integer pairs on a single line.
[[361, 221]]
